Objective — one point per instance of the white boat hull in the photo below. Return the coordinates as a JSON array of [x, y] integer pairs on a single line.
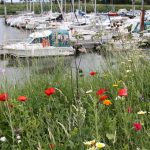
[[41, 52]]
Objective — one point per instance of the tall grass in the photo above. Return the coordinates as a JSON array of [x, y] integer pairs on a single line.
[[67, 119]]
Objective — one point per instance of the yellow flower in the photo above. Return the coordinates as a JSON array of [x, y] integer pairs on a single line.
[[89, 143], [100, 145], [141, 112], [107, 102], [115, 85]]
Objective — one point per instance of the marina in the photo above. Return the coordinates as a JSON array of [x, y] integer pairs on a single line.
[[74, 75]]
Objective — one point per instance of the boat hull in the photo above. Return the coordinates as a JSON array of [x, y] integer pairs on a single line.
[[44, 52]]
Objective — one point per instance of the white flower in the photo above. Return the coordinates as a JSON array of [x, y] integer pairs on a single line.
[[3, 139], [120, 98], [129, 60], [89, 91], [141, 112], [100, 145], [128, 71], [19, 141], [89, 143], [18, 137]]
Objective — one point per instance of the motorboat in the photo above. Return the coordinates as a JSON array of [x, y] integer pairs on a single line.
[[41, 44]]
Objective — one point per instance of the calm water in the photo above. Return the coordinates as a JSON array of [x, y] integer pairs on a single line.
[[18, 70]]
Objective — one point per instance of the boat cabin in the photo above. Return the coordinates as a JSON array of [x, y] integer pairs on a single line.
[[57, 38], [137, 27]]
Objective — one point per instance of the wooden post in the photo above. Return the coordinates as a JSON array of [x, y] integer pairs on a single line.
[[142, 16]]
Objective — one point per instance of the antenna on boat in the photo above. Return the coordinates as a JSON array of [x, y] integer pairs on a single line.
[[142, 16]]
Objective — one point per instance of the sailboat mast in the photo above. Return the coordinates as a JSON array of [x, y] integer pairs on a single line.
[[51, 6], [73, 5], [41, 3], [133, 6], [85, 6], [95, 6], [78, 4]]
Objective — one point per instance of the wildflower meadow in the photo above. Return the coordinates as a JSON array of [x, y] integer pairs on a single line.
[[62, 110]]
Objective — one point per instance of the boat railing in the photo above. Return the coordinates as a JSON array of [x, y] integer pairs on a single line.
[[11, 41]]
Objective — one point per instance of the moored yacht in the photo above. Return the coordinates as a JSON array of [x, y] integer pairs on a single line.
[[44, 43]]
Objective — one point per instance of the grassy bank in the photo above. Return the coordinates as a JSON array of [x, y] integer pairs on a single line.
[[12, 8], [75, 110]]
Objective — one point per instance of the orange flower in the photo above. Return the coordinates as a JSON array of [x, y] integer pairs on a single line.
[[107, 102]]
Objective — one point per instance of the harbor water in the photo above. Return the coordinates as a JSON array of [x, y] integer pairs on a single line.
[[14, 70]]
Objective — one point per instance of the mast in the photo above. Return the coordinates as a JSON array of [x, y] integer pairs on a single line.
[[133, 6], [30, 5], [5, 8], [51, 6], [27, 5], [78, 4], [65, 6], [41, 3], [85, 6], [95, 6], [73, 5], [61, 5], [142, 16], [33, 6]]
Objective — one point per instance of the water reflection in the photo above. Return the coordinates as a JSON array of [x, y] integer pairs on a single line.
[[19, 70]]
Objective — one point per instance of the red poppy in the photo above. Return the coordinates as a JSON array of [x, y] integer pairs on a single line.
[[49, 91], [3, 97], [92, 73], [22, 98], [103, 97], [101, 91], [123, 92], [137, 126], [51, 146]]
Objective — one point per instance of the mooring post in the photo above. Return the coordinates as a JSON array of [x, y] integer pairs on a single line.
[[142, 16]]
